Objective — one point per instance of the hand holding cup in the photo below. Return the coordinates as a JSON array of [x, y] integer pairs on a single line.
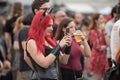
[[78, 35]]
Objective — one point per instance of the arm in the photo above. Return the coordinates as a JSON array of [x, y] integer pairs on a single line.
[[7, 36], [8, 45], [1, 66], [63, 58], [108, 33], [38, 56], [85, 49], [26, 58], [16, 45], [8, 41], [107, 39], [94, 40]]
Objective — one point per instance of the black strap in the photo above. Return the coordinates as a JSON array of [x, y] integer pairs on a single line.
[[58, 68], [33, 64], [113, 62]]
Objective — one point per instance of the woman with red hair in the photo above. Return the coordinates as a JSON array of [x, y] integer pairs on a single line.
[[43, 52]]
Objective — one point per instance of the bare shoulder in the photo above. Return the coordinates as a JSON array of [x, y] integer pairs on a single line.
[[31, 42]]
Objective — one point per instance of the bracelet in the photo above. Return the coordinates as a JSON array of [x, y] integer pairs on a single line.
[[67, 50], [56, 50]]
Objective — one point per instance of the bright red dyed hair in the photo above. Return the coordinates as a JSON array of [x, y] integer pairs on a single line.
[[37, 30]]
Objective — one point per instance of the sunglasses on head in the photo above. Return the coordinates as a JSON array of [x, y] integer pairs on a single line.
[[46, 11]]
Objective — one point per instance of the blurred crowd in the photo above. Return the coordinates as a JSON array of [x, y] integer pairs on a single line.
[[98, 29]]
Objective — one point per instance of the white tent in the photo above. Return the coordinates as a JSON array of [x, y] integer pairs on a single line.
[[105, 10], [83, 8], [25, 2]]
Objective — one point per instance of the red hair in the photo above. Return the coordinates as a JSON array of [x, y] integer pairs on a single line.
[[37, 30]]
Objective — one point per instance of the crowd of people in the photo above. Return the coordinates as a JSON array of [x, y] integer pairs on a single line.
[[55, 46]]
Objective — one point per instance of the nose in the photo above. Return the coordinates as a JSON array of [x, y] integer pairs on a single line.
[[51, 28]]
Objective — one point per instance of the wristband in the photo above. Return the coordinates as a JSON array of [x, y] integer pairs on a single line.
[[67, 50], [56, 50]]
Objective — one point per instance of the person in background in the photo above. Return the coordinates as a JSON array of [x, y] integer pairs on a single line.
[[85, 60], [73, 68], [40, 5], [6, 73], [16, 11], [98, 62], [59, 16], [22, 37], [16, 62], [108, 29], [78, 17], [115, 34]]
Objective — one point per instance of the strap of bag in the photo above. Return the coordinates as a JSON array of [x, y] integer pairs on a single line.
[[113, 62], [34, 69]]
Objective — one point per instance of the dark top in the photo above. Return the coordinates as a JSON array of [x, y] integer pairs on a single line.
[[22, 37], [10, 24], [50, 72]]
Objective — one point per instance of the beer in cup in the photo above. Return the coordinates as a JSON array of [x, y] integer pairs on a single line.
[[77, 37]]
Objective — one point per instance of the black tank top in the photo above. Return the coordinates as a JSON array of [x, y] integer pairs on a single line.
[[51, 72]]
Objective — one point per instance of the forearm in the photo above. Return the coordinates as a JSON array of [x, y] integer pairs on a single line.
[[107, 39], [47, 61], [27, 60], [63, 58], [8, 41], [87, 50]]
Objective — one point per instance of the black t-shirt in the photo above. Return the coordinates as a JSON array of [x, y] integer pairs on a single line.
[[10, 24], [22, 37]]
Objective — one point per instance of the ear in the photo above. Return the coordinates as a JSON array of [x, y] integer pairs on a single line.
[[36, 11], [64, 29]]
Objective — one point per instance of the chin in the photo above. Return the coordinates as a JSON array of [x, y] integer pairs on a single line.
[[48, 34]]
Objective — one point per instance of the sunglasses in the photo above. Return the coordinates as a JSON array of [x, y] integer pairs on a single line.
[[46, 11]]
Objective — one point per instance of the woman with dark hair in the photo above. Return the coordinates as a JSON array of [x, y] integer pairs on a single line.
[[73, 68], [98, 63], [43, 52]]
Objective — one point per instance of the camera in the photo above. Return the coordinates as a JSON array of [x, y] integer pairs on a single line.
[[67, 31]]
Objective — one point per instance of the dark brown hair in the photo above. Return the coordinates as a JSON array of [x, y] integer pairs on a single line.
[[64, 23], [37, 3], [93, 24]]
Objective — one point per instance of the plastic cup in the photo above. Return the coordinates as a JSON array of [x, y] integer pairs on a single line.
[[77, 37]]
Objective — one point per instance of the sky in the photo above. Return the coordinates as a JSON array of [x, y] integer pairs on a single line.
[[81, 5]]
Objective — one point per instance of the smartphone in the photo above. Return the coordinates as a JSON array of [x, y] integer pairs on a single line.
[[67, 30]]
